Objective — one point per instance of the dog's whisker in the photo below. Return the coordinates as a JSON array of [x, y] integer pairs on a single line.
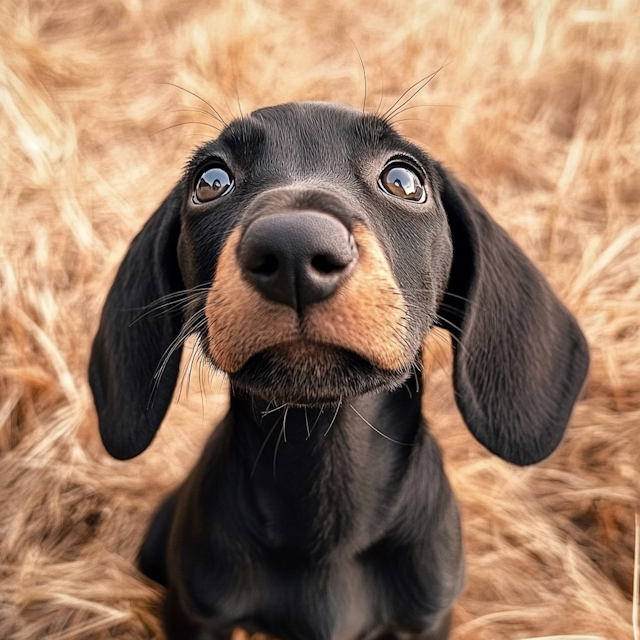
[[377, 111], [182, 124], [275, 451], [454, 295], [449, 322], [268, 411], [364, 73], [385, 115], [235, 84], [425, 106], [196, 110], [186, 374], [165, 303], [477, 303], [389, 114], [198, 359], [168, 307], [262, 414], [264, 444], [187, 329], [315, 423], [202, 362], [384, 435], [458, 341], [195, 95], [452, 309], [193, 359], [197, 290], [335, 415], [175, 344], [411, 120]]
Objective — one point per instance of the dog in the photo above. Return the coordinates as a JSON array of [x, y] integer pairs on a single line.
[[311, 249]]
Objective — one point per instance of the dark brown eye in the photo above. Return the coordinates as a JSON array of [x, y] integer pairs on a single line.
[[211, 184], [403, 182]]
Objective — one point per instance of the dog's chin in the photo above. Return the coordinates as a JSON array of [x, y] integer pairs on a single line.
[[308, 374]]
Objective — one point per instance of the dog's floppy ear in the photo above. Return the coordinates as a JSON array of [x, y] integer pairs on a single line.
[[520, 359], [130, 344]]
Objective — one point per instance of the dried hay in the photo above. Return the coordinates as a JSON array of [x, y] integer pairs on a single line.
[[538, 110]]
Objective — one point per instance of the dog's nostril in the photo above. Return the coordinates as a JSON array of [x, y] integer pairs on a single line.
[[266, 266], [297, 258], [327, 264]]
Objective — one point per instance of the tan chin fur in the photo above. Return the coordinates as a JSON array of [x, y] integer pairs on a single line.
[[367, 314]]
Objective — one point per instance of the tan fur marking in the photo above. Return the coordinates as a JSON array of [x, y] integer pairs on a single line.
[[366, 315], [241, 321], [241, 634]]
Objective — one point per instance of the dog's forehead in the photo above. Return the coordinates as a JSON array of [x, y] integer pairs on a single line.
[[320, 120], [310, 108], [307, 133]]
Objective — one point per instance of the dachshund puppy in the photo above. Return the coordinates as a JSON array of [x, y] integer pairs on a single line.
[[314, 248]]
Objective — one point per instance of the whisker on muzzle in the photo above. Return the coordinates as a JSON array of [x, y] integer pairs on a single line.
[[384, 435]]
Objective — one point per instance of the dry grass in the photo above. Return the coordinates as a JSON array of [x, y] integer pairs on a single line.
[[541, 118]]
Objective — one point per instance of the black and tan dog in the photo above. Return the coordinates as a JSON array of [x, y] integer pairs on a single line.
[[316, 248]]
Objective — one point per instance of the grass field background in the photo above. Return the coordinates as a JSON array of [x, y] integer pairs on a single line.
[[536, 108]]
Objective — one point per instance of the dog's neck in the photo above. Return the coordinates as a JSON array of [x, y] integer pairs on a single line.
[[323, 477]]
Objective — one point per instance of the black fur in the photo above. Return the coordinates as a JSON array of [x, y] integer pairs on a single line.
[[330, 517]]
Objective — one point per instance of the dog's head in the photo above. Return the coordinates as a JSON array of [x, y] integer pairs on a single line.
[[315, 248]]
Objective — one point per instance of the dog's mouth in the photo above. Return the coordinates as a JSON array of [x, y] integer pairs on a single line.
[[312, 374]]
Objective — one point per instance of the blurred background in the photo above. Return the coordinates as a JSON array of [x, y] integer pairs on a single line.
[[536, 107]]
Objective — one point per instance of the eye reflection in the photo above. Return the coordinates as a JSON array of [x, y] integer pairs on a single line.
[[402, 181], [212, 184]]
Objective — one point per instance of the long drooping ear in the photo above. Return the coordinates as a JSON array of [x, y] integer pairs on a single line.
[[130, 344], [520, 359]]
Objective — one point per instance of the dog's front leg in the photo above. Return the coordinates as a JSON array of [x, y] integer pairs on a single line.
[[437, 627], [180, 626]]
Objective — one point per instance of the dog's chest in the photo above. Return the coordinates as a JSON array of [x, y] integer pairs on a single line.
[[332, 600]]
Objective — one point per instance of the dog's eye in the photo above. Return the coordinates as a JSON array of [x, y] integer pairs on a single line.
[[403, 182], [211, 184]]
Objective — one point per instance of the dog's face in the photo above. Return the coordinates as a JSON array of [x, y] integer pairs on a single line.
[[320, 238], [316, 247]]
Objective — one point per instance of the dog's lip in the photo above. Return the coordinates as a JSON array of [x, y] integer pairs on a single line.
[[305, 343], [299, 346], [305, 347]]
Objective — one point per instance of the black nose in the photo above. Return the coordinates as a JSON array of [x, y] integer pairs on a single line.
[[297, 258]]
